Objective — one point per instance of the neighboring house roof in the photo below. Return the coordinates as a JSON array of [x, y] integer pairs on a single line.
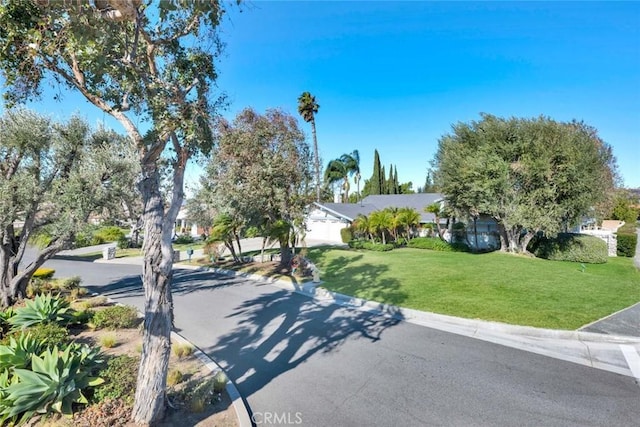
[[611, 224], [418, 201]]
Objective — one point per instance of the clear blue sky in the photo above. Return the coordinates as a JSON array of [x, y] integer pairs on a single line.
[[396, 75]]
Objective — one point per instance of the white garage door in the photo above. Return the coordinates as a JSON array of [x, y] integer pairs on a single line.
[[325, 230]]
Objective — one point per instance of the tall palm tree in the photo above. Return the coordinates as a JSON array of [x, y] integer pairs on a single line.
[[308, 108]]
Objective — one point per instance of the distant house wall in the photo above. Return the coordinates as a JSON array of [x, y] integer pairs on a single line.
[[321, 225], [608, 236], [486, 230]]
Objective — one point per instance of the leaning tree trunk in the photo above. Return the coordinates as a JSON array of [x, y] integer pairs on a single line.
[[150, 397]]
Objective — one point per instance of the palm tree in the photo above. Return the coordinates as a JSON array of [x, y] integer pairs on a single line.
[[337, 171], [352, 165], [361, 226], [434, 208], [340, 169], [380, 222], [308, 108], [408, 219]]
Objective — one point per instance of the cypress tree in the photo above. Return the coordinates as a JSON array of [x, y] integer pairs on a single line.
[[383, 182], [396, 184], [375, 182], [391, 188]]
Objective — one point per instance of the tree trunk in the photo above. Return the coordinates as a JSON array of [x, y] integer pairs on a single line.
[[13, 283], [264, 243], [239, 246], [316, 158], [504, 242], [285, 255], [150, 398], [438, 229], [524, 242], [6, 275]]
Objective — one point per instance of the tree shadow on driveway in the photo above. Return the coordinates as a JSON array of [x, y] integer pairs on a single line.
[[184, 282], [278, 331]]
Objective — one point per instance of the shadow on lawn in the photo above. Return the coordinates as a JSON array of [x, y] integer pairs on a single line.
[[362, 280], [278, 331]]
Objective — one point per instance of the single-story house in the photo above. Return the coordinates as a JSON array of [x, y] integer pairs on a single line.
[[325, 220]]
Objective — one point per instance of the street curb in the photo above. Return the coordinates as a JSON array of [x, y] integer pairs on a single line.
[[584, 348], [315, 291], [242, 413], [239, 406]]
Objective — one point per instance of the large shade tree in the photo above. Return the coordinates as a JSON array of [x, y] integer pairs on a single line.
[[151, 67], [530, 175], [52, 178], [308, 108], [259, 175]]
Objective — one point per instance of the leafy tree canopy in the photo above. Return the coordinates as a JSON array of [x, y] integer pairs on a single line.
[[530, 175]]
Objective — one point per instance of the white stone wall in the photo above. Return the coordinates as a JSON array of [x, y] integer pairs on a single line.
[[608, 236]]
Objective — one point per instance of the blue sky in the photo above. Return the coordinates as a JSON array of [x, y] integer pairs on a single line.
[[396, 75]]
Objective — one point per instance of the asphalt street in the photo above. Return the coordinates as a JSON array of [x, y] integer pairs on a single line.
[[302, 362]]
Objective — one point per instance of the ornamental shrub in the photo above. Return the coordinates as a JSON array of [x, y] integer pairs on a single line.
[[370, 246], [570, 247], [109, 234], [183, 239], [346, 234], [44, 273], [626, 244], [116, 317], [437, 244], [120, 378]]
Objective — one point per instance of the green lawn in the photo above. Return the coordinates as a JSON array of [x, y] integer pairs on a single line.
[[499, 287]]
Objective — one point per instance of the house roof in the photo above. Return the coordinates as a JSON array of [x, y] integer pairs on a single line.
[[350, 211]]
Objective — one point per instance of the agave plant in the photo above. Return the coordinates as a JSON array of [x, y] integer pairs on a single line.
[[19, 352], [56, 381], [42, 309]]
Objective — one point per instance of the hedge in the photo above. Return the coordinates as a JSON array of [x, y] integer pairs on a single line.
[[436, 244], [44, 273], [370, 246], [346, 235], [627, 244], [571, 247]]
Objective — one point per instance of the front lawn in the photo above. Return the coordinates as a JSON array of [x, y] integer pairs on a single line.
[[494, 286]]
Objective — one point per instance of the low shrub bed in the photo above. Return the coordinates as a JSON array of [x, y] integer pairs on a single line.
[[627, 240], [116, 317], [436, 244], [570, 247], [371, 246]]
